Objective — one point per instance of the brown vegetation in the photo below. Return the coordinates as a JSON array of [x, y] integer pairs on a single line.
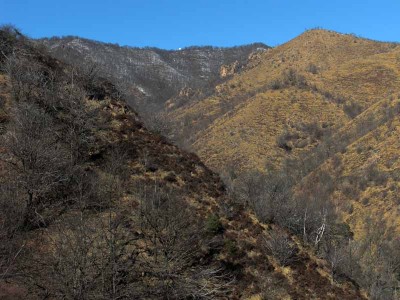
[[94, 206]]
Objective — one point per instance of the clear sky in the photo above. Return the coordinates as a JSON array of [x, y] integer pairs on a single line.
[[178, 23]]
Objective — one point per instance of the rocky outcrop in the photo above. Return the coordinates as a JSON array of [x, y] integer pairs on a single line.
[[229, 70]]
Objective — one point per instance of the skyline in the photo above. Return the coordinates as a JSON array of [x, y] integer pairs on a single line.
[[177, 24]]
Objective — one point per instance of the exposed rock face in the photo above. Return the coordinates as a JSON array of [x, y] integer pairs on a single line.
[[157, 74], [229, 70], [255, 57]]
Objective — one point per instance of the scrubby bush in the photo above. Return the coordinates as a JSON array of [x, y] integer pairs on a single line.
[[214, 225], [231, 247], [352, 109], [283, 141], [288, 78], [313, 69]]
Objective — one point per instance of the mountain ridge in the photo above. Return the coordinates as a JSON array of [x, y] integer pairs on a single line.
[[155, 73]]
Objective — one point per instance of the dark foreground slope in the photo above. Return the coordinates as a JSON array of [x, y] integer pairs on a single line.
[[94, 206]]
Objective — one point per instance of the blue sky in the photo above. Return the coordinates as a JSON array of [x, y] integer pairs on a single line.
[[178, 23]]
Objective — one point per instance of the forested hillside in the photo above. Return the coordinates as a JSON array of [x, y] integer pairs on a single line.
[[303, 135], [95, 206]]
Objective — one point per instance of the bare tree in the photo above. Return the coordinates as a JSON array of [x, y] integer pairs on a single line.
[[268, 194], [9, 38], [281, 247], [88, 258], [38, 161]]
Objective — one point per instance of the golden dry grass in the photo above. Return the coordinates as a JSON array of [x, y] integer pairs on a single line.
[[245, 117], [379, 199], [247, 136], [364, 80]]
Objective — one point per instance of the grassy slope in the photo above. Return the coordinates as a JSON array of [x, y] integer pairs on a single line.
[[244, 117], [365, 80], [366, 174], [247, 136]]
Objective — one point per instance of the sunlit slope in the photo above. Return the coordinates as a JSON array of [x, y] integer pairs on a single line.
[[363, 80], [366, 174], [313, 79], [322, 48], [375, 164], [248, 136]]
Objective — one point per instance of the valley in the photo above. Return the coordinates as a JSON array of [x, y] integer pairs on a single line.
[[251, 172]]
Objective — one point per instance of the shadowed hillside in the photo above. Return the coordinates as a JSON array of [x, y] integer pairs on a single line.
[[151, 76]]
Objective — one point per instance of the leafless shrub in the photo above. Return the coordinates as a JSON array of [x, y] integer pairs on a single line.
[[10, 39], [288, 78], [267, 194], [11, 219], [292, 78], [280, 246], [159, 124], [276, 84], [313, 129], [28, 78]]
